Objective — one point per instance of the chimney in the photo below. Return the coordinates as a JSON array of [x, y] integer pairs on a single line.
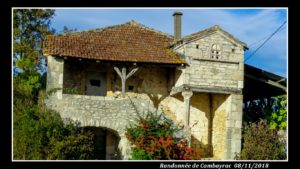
[[177, 25]]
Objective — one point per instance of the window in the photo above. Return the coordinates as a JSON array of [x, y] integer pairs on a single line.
[[130, 88], [95, 83], [197, 46], [215, 51]]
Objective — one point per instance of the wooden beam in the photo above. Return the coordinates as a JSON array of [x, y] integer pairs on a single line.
[[118, 71], [124, 77], [131, 72], [267, 81]]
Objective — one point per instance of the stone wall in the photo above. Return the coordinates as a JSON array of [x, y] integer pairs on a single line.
[[207, 120], [214, 61], [221, 109], [234, 126], [75, 74], [203, 70], [214, 74], [108, 112], [151, 80], [215, 118]]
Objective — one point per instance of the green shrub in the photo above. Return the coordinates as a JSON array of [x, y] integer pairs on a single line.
[[40, 133], [73, 90], [152, 138], [277, 119], [273, 109], [262, 143]]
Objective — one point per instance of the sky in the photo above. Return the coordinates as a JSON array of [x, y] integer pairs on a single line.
[[252, 26]]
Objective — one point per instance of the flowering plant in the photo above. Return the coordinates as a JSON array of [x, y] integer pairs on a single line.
[[152, 138]]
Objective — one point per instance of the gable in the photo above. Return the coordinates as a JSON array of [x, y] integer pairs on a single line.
[[212, 46]]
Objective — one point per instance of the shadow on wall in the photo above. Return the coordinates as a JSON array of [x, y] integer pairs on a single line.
[[204, 149], [208, 117], [106, 143], [201, 102], [156, 99]]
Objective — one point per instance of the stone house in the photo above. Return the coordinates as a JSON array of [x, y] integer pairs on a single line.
[[102, 76]]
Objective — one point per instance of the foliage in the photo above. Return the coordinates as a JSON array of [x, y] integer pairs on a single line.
[[274, 110], [39, 133], [277, 119], [77, 145], [153, 138], [71, 90], [262, 143], [68, 30], [30, 27]]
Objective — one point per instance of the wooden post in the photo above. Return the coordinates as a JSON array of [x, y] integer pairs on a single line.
[[124, 77]]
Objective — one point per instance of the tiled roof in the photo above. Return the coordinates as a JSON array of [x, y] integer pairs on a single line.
[[130, 42], [207, 32]]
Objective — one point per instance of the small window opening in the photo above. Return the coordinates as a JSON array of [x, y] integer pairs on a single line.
[[215, 51], [130, 88], [197, 46], [95, 83]]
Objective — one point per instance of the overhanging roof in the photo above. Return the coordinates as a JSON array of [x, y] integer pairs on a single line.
[[129, 42], [259, 83]]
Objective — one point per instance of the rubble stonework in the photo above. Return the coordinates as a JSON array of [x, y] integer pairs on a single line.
[[211, 82]]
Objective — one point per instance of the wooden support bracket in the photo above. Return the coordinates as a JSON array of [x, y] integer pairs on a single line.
[[124, 77]]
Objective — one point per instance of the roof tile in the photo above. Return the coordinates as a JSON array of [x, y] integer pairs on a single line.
[[131, 42]]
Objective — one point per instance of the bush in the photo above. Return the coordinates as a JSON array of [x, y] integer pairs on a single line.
[[74, 90], [40, 133], [262, 143], [153, 138]]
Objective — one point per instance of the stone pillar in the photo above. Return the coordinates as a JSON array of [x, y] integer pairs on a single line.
[[234, 126], [187, 99], [55, 76]]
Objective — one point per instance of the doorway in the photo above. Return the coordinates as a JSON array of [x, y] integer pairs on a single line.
[[106, 143]]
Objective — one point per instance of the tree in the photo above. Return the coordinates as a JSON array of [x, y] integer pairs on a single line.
[[39, 133], [273, 109], [277, 118], [30, 27], [68, 30]]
